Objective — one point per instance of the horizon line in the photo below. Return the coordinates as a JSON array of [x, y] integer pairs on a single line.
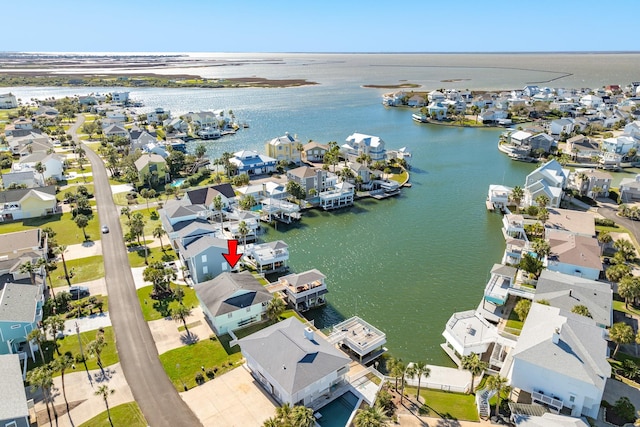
[[343, 52]]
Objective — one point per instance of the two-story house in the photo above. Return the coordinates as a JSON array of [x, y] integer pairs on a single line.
[[203, 257], [305, 290], [284, 148], [252, 163]]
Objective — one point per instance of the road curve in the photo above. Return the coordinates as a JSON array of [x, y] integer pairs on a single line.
[[158, 399]]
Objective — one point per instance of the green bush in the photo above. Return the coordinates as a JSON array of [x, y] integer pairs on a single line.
[[532, 211], [605, 222]]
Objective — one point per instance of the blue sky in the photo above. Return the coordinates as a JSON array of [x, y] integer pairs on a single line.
[[320, 26]]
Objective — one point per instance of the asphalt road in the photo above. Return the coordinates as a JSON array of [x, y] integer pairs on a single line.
[[610, 211], [158, 399]]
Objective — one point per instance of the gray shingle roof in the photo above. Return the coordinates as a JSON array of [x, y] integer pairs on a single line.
[[292, 360], [304, 277], [16, 195], [201, 244], [13, 399], [224, 294], [18, 303]]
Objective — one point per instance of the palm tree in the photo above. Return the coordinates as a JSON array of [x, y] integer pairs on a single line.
[[243, 229], [625, 247], [60, 250], [604, 238], [96, 346], [620, 333], [475, 365], [541, 247], [40, 168], [517, 194], [582, 310], [396, 369], [373, 416], [180, 314], [275, 308], [126, 211], [61, 364], [54, 324], [218, 205], [82, 221], [522, 308], [41, 377], [301, 416], [616, 272], [499, 384], [543, 215], [37, 336], [629, 289], [104, 391], [158, 232], [28, 268], [418, 369], [542, 200]]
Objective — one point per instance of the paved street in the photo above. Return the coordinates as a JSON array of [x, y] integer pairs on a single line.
[[152, 390]]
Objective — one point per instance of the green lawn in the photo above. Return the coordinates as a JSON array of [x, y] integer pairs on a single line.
[[514, 323], [455, 406], [184, 363], [80, 270], [159, 309], [620, 306], [67, 231], [136, 258], [127, 414], [151, 218], [73, 188]]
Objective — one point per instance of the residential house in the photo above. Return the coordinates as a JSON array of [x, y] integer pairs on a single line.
[[619, 145], [29, 143], [159, 115], [20, 313], [561, 360], [232, 301], [207, 195], [498, 195], [284, 148], [437, 111], [573, 254], [633, 129], [358, 144], [547, 419], [630, 189], [178, 125], [591, 101], [293, 363], [269, 189], [185, 232], [501, 284], [202, 119], [492, 115], [541, 141], [362, 339], [116, 116], [155, 148], [581, 147], [251, 220], [362, 174], [571, 222], [26, 178], [7, 101], [252, 163], [592, 182], [87, 100], [520, 138], [177, 214], [549, 180], [435, 96], [530, 90], [309, 178], [115, 130], [270, 257], [339, 196], [18, 248], [203, 257], [416, 101], [120, 97], [610, 160], [314, 152], [14, 411], [46, 111], [394, 99], [27, 203], [141, 138], [152, 168], [566, 292], [53, 166], [305, 290]]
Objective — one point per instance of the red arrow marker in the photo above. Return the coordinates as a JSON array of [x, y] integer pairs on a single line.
[[233, 256]]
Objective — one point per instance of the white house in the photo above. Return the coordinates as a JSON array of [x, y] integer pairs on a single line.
[[619, 145], [120, 97], [559, 126], [53, 164], [293, 363], [337, 197], [305, 290], [548, 179], [8, 100], [561, 359], [591, 101], [358, 143], [252, 163], [156, 115]]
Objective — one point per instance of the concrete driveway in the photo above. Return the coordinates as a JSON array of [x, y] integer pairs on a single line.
[[167, 337], [234, 399], [82, 250]]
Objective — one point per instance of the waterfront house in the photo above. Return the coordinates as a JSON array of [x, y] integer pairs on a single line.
[[630, 189], [582, 148], [27, 203], [120, 97], [498, 196], [530, 90], [435, 96], [314, 152], [152, 168], [610, 160], [492, 115], [284, 148], [547, 419], [20, 313], [251, 220], [573, 254], [359, 338], [7, 101], [587, 181], [159, 115], [520, 138], [203, 257], [14, 411], [309, 178], [265, 190], [561, 360], [619, 145], [541, 141], [270, 257], [358, 144], [565, 291], [232, 301], [501, 284], [202, 119], [341, 195], [305, 290], [252, 163], [513, 227], [548, 179], [560, 126], [571, 222], [416, 101], [115, 130], [437, 111], [53, 166], [293, 363], [177, 125], [206, 196]]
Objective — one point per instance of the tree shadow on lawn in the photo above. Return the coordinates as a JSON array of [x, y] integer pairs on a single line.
[[162, 306], [189, 338]]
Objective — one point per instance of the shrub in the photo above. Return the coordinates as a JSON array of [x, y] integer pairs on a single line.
[[625, 409], [532, 211], [605, 222], [210, 374], [199, 378]]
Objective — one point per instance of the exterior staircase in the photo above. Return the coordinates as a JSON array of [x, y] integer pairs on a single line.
[[482, 402]]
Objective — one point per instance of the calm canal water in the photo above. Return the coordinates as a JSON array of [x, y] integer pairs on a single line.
[[404, 264]]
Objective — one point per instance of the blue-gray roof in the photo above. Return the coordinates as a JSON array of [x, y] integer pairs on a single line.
[[13, 399]]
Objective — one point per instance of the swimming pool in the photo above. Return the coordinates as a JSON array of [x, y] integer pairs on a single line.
[[337, 412], [177, 183]]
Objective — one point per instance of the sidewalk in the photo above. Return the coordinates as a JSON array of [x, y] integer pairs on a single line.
[[407, 419], [82, 250]]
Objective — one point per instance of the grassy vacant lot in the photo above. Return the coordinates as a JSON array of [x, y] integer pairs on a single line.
[[184, 363], [455, 406], [136, 258], [67, 231], [159, 309], [151, 219], [80, 270], [127, 414]]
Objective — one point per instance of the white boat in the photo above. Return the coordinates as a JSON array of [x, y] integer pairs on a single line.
[[421, 118]]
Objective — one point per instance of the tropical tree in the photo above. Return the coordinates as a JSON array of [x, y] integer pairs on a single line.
[[543, 215], [60, 250], [82, 221], [419, 370], [396, 369], [541, 247], [243, 230], [104, 391], [475, 365], [615, 273], [542, 200], [517, 194], [53, 325], [42, 377], [127, 212], [147, 194], [37, 336], [96, 346], [626, 248], [604, 238], [180, 314], [629, 289], [621, 333], [218, 205], [530, 264], [247, 202], [373, 416], [28, 268], [200, 151], [522, 308], [275, 308], [158, 232], [499, 385], [582, 310], [40, 168], [61, 364], [160, 277]]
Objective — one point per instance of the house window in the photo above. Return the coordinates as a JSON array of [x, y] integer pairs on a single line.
[[204, 258], [230, 315], [11, 424], [248, 309], [205, 270]]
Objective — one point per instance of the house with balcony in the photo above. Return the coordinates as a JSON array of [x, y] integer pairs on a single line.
[[53, 166], [232, 301], [549, 180], [513, 227], [14, 411], [252, 163], [115, 130], [284, 148], [314, 152], [120, 97], [251, 220], [152, 168], [359, 339], [17, 248], [341, 195], [573, 254], [270, 257], [561, 360], [498, 196], [20, 313], [206, 196], [514, 250], [203, 257], [566, 291], [25, 203], [8, 101], [502, 284], [181, 212], [358, 144], [293, 363], [619, 144], [581, 148], [305, 290], [280, 210], [159, 115]]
